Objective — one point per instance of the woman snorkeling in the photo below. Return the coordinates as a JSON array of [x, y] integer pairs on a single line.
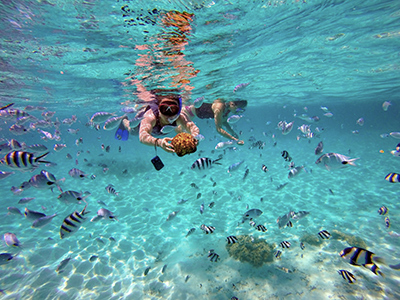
[[160, 116], [219, 110]]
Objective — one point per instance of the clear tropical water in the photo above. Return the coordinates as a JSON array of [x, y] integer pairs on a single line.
[[79, 57]]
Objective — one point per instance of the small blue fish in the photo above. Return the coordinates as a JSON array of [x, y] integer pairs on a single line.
[[233, 119], [167, 129], [235, 166], [198, 102], [240, 86]]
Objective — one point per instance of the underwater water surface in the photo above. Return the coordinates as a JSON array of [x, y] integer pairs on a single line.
[[63, 61]]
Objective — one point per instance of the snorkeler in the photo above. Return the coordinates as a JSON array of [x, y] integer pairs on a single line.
[[158, 117], [219, 110]]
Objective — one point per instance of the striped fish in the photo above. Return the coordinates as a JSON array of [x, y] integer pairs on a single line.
[[323, 234], [285, 244], [347, 276], [21, 160], [232, 239], [361, 257], [207, 229], [393, 177], [261, 228], [383, 210], [111, 190], [204, 163], [73, 222], [278, 254]]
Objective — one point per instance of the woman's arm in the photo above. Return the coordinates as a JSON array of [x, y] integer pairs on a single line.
[[188, 125], [218, 109], [145, 137]]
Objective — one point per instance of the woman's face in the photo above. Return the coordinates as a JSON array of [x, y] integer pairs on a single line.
[[169, 109], [232, 106]]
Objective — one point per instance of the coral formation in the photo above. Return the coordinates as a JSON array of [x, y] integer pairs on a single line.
[[252, 250], [311, 239], [350, 239], [184, 144]]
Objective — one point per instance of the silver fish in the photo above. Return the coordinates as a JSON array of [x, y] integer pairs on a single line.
[[202, 208], [334, 161], [14, 211], [72, 196], [103, 213], [251, 214], [299, 215], [182, 201], [25, 200], [319, 149], [234, 119], [76, 173], [11, 240], [167, 129], [43, 221], [223, 145], [295, 171], [172, 215], [33, 215], [283, 220], [5, 258]]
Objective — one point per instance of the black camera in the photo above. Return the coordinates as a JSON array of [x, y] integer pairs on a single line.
[[157, 163]]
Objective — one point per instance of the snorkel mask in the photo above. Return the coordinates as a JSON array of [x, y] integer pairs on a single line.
[[168, 110]]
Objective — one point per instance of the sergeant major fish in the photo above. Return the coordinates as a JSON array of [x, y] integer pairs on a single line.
[[204, 163], [361, 257], [22, 161], [319, 149], [73, 222], [172, 215], [101, 117]]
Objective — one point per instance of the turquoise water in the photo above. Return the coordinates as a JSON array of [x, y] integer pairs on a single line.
[[74, 58]]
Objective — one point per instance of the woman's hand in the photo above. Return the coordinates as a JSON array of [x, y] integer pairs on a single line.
[[166, 145], [240, 142]]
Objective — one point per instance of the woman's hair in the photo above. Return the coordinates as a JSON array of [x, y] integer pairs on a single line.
[[240, 103]]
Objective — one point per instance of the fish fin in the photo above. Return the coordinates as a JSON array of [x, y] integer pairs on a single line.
[[327, 167], [351, 161], [122, 133], [379, 260], [39, 158]]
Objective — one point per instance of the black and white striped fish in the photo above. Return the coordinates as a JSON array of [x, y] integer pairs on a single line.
[[232, 239], [383, 210], [289, 224], [323, 234], [207, 229], [213, 256], [361, 257], [111, 190], [285, 244], [204, 163], [73, 222], [347, 276], [261, 228], [21, 160]]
